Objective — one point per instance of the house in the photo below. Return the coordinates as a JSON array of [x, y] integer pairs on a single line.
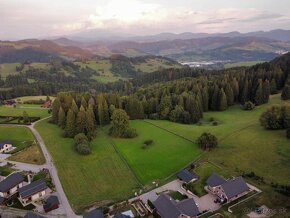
[[51, 203], [120, 215], [227, 190], [234, 188], [32, 192], [186, 176], [33, 215], [47, 104], [214, 182], [10, 103], [96, 213], [5, 146], [167, 207], [11, 184]]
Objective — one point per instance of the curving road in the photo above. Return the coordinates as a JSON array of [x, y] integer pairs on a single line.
[[52, 169]]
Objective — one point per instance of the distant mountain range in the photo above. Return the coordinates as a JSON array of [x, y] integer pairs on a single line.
[[184, 47]]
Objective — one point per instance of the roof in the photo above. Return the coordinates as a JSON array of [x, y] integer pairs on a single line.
[[50, 201], [186, 176], [96, 213], [2, 143], [11, 181], [215, 180], [33, 215], [188, 207], [235, 187], [169, 208], [120, 215], [32, 188]]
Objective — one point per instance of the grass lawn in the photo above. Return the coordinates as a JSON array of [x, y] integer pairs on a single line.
[[31, 155], [21, 137], [18, 111], [29, 98], [8, 69], [99, 178], [154, 64], [204, 170], [168, 154], [244, 145], [242, 64]]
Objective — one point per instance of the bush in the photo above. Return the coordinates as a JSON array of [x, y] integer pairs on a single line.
[[215, 123], [148, 142], [154, 116], [248, 106], [129, 133], [82, 145], [207, 141], [211, 119]]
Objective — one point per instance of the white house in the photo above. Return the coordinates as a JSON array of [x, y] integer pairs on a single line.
[[5, 146], [11, 184]]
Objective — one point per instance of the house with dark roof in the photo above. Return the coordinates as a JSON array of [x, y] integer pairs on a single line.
[[96, 213], [5, 146], [214, 182], [186, 176], [120, 215], [32, 192], [167, 207], [10, 185], [227, 190], [51, 203], [234, 188], [33, 215]]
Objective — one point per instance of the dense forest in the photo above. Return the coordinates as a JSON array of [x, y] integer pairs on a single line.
[[184, 99]]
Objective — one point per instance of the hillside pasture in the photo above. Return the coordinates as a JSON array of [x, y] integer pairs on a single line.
[[244, 146], [32, 111], [154, 64]]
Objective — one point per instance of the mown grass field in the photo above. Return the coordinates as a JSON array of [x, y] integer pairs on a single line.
[[244, 145], [168, 154], [101, 177], [8, 69], [22, 138], [242, 64], [32, 111], [152, 65], [30, 98]]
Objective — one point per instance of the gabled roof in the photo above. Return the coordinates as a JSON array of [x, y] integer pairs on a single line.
[[33, 215], [96, 213], [186, 176], [2, 143], [120, 215], [188, 207], [10, 182], [215, 180], [50, 201], [32, 188], [169, 208], [235, 187]]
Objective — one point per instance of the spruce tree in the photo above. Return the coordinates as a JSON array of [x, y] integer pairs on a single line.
[[273, 87], [74, 107], [90, 124], [230, 94], [55, 109], [70, 128], [259, 94], [222, 99], [61, 118], [81, 121]]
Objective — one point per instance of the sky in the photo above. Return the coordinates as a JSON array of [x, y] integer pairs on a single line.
[[21, 19]]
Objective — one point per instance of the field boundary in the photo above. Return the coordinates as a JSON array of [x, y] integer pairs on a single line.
[[123, 158], [146, 121]]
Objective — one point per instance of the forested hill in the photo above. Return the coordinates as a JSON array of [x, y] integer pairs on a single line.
[[69, 76]]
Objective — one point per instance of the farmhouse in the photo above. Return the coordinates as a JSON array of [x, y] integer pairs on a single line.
[[168, 208], [32, 192], [51, 203], [46, 104], [227, 190], [96, 213], [186, 176], [11, 184], [5, 146]]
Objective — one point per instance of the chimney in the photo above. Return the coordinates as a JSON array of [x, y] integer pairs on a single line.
[[29, 177]]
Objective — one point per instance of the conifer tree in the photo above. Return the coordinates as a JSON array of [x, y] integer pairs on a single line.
[[223, 104], [61, 118], [70, 128], [81, 121], [230, 94], [259, 94], [55, 109], [90, 124]]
